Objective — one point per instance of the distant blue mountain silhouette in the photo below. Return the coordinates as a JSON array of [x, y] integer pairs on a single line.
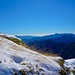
[[66, 37], [63, 44]]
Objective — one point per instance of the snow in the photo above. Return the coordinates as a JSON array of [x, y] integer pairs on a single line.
[[13, 56], [70, 63], [10, 36], [55, 58]]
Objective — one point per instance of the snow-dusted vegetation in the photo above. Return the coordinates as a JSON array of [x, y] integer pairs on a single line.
[[18, 60]]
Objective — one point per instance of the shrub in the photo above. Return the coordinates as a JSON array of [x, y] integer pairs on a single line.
[[61, 62], [15, 73], [23, 64], [62, 72], [23, 72], [0, 62]]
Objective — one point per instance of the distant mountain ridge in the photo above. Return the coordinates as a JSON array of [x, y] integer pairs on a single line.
[[63, 44], [65, 37]]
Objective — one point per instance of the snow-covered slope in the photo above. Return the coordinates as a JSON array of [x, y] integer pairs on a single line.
[[70, 63], [14, 57], [10, 36], [69, 66]]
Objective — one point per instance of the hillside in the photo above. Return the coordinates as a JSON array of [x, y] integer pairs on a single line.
[[68, 38], [17, 60], [65, 50], [61, 44], [69, 66]]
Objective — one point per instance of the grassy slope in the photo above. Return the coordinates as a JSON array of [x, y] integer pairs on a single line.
[[17, 41]]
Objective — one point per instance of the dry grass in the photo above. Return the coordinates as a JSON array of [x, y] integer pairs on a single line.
[[16, 48], [61, 62], [44, 53], [17, 41]]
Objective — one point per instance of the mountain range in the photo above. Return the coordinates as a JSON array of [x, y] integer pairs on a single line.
[[61, 44]]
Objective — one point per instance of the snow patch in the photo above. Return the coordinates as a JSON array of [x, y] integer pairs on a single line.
[[13, 56]]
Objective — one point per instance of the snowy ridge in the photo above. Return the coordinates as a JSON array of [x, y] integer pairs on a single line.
[[13, 56], [10, 36]]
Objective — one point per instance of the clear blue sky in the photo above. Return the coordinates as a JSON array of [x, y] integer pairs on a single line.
[[37, 16]]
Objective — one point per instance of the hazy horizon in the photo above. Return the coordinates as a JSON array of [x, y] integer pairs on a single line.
[[40, 34]]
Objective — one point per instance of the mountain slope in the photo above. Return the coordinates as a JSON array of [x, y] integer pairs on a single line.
[[69, 66], [15, 58], [65, 50], [67, 38], [62, 44]]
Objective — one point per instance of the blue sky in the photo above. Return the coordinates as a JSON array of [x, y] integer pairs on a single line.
[[37, 16]]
